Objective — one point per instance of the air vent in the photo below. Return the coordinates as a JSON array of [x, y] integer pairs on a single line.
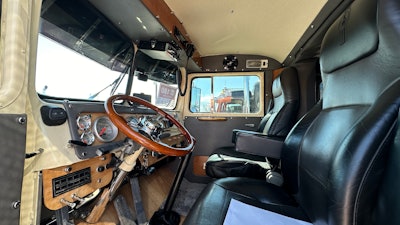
[[71, 181]]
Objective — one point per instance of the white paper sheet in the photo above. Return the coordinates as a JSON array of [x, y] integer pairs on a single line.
[[240, 213]]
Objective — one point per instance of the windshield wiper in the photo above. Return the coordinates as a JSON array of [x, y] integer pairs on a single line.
[[115, 84]]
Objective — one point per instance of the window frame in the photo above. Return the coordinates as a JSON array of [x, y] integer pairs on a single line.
[[192, 76]]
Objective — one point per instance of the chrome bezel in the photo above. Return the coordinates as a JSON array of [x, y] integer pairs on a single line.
[[110, 124], [90, 134], [87, 118]]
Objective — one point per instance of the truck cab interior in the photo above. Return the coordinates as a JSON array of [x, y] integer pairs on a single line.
[[170, 112]]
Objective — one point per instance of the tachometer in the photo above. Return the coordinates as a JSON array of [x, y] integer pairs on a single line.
[[104, 129]]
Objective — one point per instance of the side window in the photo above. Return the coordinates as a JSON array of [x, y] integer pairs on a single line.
[[201, 95], [225, 94]]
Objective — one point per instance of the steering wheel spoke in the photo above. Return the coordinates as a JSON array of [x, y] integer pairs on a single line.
[[151, 128]]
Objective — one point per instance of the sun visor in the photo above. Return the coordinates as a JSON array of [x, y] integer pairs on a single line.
[[85, 31]]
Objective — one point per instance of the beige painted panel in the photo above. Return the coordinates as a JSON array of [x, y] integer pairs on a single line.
[[259, 27]]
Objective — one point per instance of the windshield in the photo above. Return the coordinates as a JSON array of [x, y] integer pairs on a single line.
[[71, 75], [63, 73], [81, 55]]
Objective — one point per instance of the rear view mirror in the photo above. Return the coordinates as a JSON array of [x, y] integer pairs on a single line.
[[142, 77]]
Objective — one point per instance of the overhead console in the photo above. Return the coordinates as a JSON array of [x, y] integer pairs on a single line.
[[171, 23], [159, 50]]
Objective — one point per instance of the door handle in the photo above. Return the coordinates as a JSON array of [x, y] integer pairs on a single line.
[[249, 125], [206, 118]]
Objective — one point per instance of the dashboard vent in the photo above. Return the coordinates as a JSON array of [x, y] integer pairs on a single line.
[[71, 181]]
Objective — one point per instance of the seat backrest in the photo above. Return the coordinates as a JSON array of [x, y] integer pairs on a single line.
[[285, 103], [341, 156]]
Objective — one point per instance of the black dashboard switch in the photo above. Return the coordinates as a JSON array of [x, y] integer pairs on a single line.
[[53, 116], [100, 169]]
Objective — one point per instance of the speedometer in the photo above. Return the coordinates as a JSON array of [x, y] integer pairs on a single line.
[[104, 129]]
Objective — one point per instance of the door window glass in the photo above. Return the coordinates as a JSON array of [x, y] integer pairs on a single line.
[[225, 94]]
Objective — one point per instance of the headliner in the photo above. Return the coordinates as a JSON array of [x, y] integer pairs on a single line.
[[260, 27]]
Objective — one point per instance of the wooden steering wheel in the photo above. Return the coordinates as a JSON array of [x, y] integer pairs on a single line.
[[122, 125]]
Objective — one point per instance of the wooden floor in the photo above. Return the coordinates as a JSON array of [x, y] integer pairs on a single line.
[[154, 190]]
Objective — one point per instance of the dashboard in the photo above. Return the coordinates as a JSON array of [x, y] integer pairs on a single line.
[[93, 134], [95, 138]]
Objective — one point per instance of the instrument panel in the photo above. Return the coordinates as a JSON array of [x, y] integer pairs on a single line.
[[96, 128], [93, 134]]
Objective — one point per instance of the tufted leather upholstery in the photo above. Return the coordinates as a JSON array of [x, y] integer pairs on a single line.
[[275, 124], [341, 164]]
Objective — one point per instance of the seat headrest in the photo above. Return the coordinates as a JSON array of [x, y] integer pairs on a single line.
[[351, 37], [360, 52], [286, 83], [276, 88]]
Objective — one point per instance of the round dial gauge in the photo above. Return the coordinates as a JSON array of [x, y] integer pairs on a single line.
[[87, 137], [84, 122], [104, 129]]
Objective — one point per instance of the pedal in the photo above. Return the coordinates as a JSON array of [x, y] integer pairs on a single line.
[[137, 200], [149, 170], [125, 216]]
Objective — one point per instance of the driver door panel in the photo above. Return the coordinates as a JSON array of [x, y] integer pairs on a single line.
[[217, 104], [210, 135]]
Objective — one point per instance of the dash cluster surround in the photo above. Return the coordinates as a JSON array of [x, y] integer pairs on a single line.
[[93, 128]]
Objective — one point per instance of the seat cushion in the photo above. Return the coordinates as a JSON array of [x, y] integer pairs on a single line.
[[213, 203], [226, 162]]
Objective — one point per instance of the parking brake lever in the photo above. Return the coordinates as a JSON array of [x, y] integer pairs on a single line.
[[78, 143]]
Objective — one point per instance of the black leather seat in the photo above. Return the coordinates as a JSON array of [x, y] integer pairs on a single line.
[[341, 163], [275, 125]]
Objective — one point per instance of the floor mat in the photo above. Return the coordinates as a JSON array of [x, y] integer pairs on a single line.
[[187, 195]]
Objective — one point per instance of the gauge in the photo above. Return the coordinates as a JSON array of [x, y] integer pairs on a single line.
[[149, 123], [133, 122], [87, 137], [104, 129], [84, 122]]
